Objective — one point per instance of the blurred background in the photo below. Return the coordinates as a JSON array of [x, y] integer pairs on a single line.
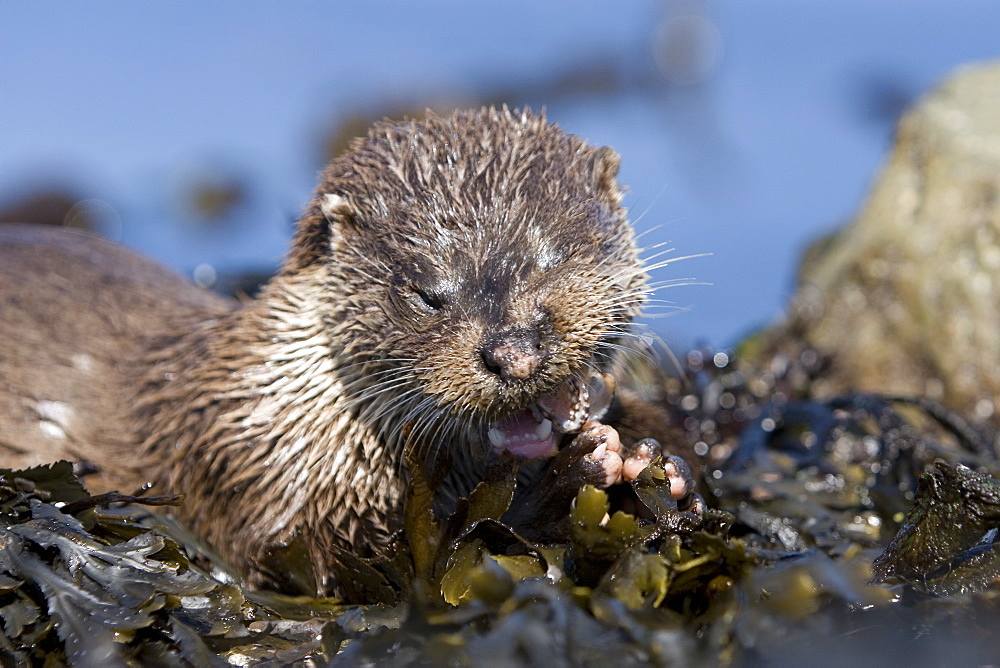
[[194, 131]]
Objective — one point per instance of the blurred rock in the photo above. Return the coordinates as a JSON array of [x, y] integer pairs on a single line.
[[52, 206], [212, 196], [907, 298]]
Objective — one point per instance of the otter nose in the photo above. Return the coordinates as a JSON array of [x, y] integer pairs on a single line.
[[515, 354]]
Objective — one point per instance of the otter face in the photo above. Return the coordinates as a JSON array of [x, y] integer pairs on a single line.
[[493, 257], [506, 341]]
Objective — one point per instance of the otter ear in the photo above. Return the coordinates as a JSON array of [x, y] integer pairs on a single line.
[[320, 229], [335, 207], [605, 168]]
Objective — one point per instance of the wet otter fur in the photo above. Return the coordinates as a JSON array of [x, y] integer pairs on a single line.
[[448, 276]]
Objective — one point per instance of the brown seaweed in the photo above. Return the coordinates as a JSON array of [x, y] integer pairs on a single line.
[[866, 519]]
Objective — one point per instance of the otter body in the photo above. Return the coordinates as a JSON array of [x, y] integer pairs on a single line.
[[450, 289]]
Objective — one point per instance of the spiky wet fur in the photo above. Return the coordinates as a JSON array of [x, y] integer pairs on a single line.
[[290, 416]]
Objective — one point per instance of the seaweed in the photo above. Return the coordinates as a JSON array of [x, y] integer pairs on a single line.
[[84, 588], [860, 525], [947, 543]]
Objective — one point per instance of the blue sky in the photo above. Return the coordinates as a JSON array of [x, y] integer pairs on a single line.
[[775, 145]]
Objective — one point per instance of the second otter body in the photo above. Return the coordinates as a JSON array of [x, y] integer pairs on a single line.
[[454, 282]]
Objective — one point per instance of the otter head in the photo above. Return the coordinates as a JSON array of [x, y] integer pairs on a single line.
[[481, 269]]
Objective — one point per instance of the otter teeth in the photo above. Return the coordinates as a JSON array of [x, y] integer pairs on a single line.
[[499, 438], [528, 433], [544, 429], [523, 436], [576, 402], [600, 392]]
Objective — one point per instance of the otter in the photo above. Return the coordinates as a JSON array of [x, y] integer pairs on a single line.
[[458, 288]]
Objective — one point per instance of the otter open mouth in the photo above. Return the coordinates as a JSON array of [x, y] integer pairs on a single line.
[[533, 433]]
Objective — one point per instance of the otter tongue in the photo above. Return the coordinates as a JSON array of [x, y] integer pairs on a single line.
[[524, 436]]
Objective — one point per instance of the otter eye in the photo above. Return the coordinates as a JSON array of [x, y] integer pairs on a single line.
[[415, 294], [429, 301]]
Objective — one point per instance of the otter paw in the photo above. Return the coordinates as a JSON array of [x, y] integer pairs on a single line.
[[693, 503], [638, 456], [678, 472], [604, 458], [592, 458], [682, 484]]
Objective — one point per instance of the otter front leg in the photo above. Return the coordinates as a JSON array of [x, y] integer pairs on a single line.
[[540, 511], [595, 457]]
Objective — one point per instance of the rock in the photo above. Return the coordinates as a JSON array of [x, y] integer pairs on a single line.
[[51, 206], [906, 299]]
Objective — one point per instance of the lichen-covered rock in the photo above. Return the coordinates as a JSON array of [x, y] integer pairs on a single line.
[[907, 298]]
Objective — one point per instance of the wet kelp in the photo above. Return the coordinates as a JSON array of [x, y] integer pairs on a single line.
[[857, 528], [85, 585]]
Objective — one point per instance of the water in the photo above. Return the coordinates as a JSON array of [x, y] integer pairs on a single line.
[[766, 139]]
